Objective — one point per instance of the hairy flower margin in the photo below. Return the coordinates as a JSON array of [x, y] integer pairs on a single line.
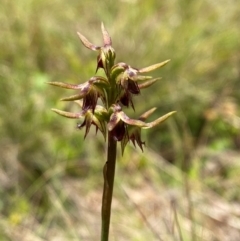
[[115, 91]]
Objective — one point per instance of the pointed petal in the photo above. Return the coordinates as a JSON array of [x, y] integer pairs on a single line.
[[147, 83], [124, 142], [80, 126], [140, 143], [153, 67], [103, 129], [131, 122], [86, 43], [65, 85], [68, 114], [141, 78], [146, 114], [74, 97], [159, 120], [137, 137], [88, 125], [131, 101], [106, 38], [99, 63]]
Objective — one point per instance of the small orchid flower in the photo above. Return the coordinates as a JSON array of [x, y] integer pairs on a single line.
[[90, 91], [128, 78], [106, 55], [97, 118], [123, 128], [118, 122]]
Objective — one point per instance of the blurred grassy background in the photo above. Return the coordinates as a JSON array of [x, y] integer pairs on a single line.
[[51, 180]]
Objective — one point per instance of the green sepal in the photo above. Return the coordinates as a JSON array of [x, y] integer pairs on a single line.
[[148, 83], [153, 67], [73, 97], [159, 120], [146, 114], [141, 78], [124, 143], [87, 43], [67, 114], [65, 85], [106, 37]]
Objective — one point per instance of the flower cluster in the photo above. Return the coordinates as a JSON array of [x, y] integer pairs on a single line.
[[115, 91]]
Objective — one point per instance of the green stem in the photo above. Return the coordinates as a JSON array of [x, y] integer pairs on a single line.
[[108, 174]]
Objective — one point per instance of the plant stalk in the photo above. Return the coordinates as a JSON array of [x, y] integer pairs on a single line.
[[108, 175]]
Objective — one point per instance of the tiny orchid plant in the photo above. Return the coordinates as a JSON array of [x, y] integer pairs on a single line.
[[115, 91]]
